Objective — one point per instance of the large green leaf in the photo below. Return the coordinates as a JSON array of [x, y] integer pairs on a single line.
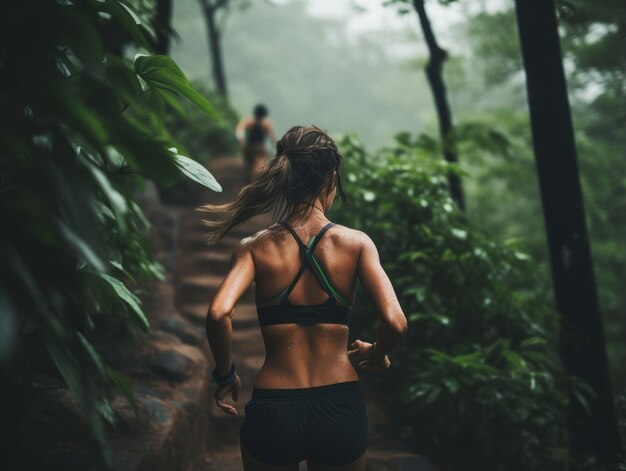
[[82, 247], [93, 355], [130, 299], [105, 410], [126, 17], [8, 325], [122, 77], [121, 268], [196, 171], [160, 71], [121, 383], [116, 199], [68, 367], [78, 32]]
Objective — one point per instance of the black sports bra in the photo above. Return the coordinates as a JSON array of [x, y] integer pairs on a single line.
[[287, 313]]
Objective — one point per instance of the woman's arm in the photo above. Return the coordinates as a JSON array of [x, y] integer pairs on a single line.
[[393, 324], [219, 327]]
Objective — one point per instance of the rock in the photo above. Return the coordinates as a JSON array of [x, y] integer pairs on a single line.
[[157, 409], [171, 364], [181, 328], [80, 459], [163, 337]]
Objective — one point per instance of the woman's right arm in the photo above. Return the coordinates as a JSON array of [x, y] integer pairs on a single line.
[[393, 324]]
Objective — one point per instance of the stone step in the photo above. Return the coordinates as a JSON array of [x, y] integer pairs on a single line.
[[395, 460], [194, 225], [195, 313], [212, 262], [171, 412], [228, 458], [191, 243], [245, 316], [201, 288], [197, 289], [224, 459]]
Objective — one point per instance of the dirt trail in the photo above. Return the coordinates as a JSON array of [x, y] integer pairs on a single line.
[[199, 271]]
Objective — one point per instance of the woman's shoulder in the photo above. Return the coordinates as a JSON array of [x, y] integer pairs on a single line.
[[260, 237], [275, 233], [354, 237]]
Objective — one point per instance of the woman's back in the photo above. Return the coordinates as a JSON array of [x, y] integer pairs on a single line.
[[307, 402], [300, 354]]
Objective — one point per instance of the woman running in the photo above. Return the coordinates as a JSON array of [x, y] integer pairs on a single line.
[[252, 132], [307, 402]]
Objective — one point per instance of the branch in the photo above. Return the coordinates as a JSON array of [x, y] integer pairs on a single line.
[[435, 50], [213, 7]]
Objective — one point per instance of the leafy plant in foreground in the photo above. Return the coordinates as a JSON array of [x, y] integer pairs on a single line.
[[81, 130]]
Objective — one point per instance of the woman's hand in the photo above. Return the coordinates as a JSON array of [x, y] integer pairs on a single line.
[[367, 357], [222, 391]]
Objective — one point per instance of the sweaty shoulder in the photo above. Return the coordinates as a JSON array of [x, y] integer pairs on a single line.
[[347, 238], [262, 242]]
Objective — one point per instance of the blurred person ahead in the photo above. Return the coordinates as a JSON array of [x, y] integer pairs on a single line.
[[252, 132]]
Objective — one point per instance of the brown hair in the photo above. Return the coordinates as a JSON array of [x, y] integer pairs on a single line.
[[305, 157]]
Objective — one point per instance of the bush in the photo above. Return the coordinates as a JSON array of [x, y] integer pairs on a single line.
[[201, 136], [477, 377], [81, 129]]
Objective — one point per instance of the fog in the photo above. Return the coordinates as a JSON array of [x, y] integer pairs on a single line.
[[342, 65]]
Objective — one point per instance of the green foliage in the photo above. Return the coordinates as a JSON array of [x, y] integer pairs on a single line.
[[478, 372], [505, 195], [81, 130], [201, 136]]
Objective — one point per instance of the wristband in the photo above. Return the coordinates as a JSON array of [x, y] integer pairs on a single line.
[[373, 350], [228, 379]]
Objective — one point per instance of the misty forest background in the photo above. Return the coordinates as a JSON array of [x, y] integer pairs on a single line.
[[316, 63], [480, 377], [360, 71]]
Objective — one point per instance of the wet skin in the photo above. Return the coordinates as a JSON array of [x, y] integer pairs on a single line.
[[302, 356]]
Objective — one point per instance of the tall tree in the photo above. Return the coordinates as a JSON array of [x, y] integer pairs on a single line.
[[582, 344], [434, 74], [210, 9], [162, 21]]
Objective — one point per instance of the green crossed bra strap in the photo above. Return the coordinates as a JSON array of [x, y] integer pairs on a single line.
[[306, 253]]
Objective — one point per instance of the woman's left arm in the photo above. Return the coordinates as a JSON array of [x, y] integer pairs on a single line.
[[219, 327]]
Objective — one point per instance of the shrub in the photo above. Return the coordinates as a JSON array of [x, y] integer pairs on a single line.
[[81, 129], [477, 378]]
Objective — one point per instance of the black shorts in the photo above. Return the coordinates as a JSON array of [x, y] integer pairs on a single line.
[[325, 424]]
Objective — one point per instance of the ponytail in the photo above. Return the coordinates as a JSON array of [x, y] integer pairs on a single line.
[[257, 197], [305, 157]]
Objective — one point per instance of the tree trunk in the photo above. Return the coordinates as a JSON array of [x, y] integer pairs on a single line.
[[163, 26], [582, 340], [215, 46], [434, 73]]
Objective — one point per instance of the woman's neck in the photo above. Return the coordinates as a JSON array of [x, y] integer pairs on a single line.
[[316, 214]]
